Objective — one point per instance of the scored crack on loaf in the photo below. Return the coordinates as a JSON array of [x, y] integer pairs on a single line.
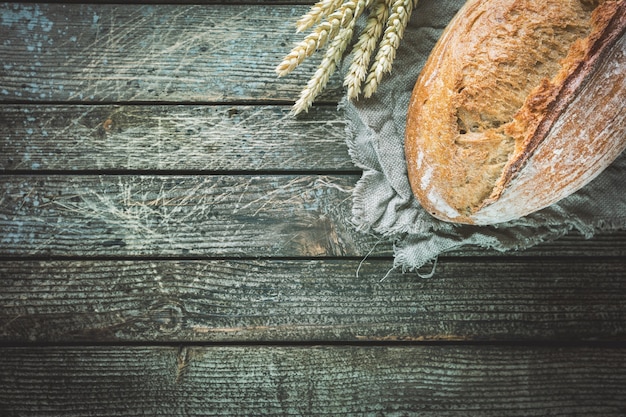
[[520, 104]]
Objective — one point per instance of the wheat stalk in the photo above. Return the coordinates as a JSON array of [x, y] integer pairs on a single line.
[[335, 33]]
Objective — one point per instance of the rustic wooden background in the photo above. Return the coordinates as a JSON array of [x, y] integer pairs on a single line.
[[173, 243]]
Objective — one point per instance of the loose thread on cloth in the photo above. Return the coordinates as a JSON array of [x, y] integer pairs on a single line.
[[419, 274], [387, 274], [432, 271], [358, 269]]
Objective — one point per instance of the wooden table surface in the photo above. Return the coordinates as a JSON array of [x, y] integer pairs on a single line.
[[172, 242]]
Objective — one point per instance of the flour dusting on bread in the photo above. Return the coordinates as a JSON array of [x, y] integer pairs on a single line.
[[495, 82]]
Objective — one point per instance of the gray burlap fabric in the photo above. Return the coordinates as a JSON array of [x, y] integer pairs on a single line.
[[383, 201]]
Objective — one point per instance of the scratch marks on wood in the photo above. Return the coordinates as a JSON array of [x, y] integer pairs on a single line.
[[263, 215], [162, 54], [141, 52], [172, 137]]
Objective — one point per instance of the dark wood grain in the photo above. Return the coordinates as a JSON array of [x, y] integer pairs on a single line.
[[322, 300], [175, 137], [127, 52], [229, 380]]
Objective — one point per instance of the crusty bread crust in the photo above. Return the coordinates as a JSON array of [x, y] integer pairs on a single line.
[[520, 104]]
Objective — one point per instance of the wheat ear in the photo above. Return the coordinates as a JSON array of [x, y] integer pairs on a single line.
[[340, 18], [327, 67], [398, 19], [365, 47], [383, 30]]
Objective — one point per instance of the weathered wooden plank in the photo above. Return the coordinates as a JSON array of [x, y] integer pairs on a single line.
[[190, 53], [203, 215], [229, 380], [178, 215], [217, 2], [323, 300], [573, 244], [172, 137]]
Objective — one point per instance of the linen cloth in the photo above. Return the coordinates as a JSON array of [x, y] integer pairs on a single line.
[[383, 201]]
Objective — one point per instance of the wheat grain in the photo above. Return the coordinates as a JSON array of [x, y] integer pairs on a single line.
[[398, 19], [317, 12]]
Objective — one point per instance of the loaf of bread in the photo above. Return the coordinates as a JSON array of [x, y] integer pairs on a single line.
[[520, 104]]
